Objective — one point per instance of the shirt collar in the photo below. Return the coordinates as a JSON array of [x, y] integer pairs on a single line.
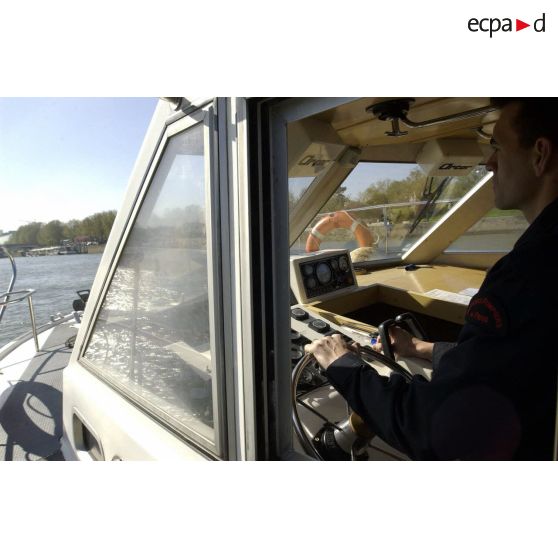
[[545, 221]]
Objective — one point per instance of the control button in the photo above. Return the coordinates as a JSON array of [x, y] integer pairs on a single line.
[[306, 377], [295, 337], [319, 325], [296, 354], [299, 314]]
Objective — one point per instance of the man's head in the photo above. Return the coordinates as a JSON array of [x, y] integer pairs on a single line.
[[525, 158]]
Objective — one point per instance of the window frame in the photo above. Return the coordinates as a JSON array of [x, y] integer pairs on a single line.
[[275, 115], [206, 117]]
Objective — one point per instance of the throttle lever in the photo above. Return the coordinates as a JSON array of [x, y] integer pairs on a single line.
[[407, 321], [413, 326], [383, 333]]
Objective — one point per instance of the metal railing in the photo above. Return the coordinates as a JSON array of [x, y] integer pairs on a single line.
[[7, 298], [24, 294], [12, 281]]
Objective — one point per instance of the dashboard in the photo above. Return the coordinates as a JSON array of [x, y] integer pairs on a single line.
[[321, 275]]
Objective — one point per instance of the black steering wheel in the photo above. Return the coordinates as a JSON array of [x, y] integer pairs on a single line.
[[333, 433]]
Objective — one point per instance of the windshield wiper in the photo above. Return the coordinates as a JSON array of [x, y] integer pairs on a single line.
[[430, 195]]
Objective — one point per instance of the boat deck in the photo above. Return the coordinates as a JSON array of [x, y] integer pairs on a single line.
[[31, 397]]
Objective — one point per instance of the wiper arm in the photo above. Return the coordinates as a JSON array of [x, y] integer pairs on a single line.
[[431, 197]]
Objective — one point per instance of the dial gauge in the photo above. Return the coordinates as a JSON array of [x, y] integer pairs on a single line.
[[323, 272], [311, 283], [307, 269], [343, 263]]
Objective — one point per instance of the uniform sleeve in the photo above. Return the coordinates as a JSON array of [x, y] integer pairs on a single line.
[[493, 394], [460, 414], [379, 400], [438, 351]]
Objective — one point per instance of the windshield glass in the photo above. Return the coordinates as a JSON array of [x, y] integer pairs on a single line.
[[395, 204], [297, 188], [498, 231]]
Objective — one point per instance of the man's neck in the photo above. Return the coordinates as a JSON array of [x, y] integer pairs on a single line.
[[548, 194]]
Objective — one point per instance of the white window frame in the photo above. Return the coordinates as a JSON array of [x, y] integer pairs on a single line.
[[202, 116]]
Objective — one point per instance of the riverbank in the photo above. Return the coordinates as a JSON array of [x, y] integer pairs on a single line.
[[97, 249], [93, 249]]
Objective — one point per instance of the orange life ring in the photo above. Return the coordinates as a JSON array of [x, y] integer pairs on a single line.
[[338, 220]]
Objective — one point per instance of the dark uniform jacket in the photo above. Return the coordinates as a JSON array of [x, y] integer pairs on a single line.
[[493, 394]]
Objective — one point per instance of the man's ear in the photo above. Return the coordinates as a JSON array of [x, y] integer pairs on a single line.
[[542, 155]]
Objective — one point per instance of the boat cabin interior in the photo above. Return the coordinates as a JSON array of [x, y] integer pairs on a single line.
[[399, 188], [252, 227]]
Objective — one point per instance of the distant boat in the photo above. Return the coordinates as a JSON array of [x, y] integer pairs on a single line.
[[67, 250]]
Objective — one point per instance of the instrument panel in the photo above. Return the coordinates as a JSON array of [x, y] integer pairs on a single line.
[[321, 275]]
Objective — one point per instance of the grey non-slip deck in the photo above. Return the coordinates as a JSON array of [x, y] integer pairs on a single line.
[[31, 417]]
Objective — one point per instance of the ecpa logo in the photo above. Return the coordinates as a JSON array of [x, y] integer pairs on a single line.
[[494, 24]]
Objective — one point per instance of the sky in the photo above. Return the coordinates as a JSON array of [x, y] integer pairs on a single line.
[[67, 158]]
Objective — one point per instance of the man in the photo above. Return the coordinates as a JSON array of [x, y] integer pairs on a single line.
[[493, 394]]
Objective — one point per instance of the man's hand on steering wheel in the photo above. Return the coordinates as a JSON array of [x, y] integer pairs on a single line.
[[329, 348]]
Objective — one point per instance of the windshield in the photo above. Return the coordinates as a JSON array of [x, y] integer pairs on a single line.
[[297, 187], [497, 231], [396, 203]]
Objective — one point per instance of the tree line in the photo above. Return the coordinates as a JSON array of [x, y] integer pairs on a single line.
[[410, 189], [95, 228]]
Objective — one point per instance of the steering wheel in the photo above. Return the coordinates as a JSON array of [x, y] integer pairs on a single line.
[[347, 437]]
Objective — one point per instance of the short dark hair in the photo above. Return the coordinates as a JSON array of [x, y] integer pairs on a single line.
[[537, 118]]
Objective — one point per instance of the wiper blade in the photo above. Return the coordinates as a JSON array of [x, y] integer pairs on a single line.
[[431, 197]]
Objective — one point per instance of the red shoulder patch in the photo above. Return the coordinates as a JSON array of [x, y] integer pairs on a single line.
[[487, 313]]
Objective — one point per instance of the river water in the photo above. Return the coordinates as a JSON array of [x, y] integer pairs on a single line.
[[56, 280]]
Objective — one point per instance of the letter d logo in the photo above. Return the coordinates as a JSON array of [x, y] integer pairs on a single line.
[[538, 26]]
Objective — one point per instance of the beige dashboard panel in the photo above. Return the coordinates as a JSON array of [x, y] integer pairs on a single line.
[[411, 290], [424, 279]]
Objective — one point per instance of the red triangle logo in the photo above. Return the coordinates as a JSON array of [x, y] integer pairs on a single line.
[[519, 25]]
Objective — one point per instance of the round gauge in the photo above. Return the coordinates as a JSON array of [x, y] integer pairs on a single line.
[[334, 265], [343, 263], [323, 272], [307, 269], [311, 283]]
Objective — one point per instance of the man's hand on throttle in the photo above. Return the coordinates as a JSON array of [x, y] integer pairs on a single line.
[[405, 345]]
